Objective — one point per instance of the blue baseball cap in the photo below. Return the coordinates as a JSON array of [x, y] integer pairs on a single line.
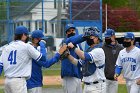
[[129, 35], [37, 34], [109, 33], [21, 30], [68, 26]]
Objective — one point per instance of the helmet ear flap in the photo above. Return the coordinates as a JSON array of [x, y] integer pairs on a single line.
[[92, 31], [87, 33]]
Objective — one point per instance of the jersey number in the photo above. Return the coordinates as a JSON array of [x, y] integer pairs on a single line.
[[133, 67], [12, 57]]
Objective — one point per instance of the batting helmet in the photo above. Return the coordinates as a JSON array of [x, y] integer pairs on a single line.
[[129, 35], [92, 31], [109, 33], [37, 34], [68, 26], [21, 30]]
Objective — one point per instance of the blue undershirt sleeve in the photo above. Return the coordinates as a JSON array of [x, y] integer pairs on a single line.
[[1, 68], [75, 39], [87, 57], [50, 62], [118, 69]]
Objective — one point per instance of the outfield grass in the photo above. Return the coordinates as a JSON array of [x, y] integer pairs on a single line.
[[54, 70]]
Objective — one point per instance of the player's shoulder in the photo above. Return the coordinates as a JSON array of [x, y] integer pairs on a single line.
[[136, 49], [29, 45], [98, 50], [123, 50]]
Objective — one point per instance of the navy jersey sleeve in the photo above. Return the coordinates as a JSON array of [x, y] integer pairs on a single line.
[[75, 39], [50, 62], [88, 57]]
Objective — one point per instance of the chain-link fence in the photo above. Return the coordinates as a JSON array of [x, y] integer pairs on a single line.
[[51, 16]]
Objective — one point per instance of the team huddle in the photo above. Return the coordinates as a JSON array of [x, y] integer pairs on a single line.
[[98, 67]]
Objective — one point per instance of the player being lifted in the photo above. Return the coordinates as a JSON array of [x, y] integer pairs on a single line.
[[34, 84], [93, 61], [128, 62]]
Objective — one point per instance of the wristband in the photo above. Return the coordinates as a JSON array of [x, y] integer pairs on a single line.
[[74, 48]]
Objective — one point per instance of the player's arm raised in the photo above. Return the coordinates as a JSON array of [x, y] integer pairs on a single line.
[[79, 52], [35, 54], [53, 60], [75, 39], [83, 55]]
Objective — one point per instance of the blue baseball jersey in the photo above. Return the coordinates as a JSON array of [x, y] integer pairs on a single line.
[[69, 69], [36, 76]]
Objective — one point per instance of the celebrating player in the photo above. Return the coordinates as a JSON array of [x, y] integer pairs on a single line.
[[93, 61], [128, 61], [16, 60], [34, 84], [71, 74], [111, 49]]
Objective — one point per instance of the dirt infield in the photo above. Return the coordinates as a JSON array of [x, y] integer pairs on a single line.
[[56, 80]]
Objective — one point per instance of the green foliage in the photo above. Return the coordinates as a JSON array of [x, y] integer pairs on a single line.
[[117, 3], [2, 10]]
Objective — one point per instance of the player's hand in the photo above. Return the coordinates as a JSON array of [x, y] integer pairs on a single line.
[[62, 49], [70, 45], [116, 77], [138, 81], [42, 43]]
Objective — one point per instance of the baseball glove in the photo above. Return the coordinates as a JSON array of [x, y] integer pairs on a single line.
[[65, 54]]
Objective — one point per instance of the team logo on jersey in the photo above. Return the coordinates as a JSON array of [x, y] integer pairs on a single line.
[[128, 59]]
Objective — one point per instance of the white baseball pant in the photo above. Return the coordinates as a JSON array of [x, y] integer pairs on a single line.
[[132, 87], [111, 85], [35, 90], [72, 85], [15, 85], [95, 88]]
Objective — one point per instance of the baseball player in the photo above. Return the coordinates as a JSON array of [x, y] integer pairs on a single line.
[[111, 49], [128, 62], [16, 60], [71, 74], [137, 44], [34, 84], [92, 63]]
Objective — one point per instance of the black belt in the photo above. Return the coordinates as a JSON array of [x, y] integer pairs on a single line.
[[87, 83]]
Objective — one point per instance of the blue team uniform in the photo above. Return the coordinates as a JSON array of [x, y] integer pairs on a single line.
[[67, 68], [36, 76]]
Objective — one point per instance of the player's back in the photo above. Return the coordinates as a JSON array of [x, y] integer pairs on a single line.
[[16, 61]]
